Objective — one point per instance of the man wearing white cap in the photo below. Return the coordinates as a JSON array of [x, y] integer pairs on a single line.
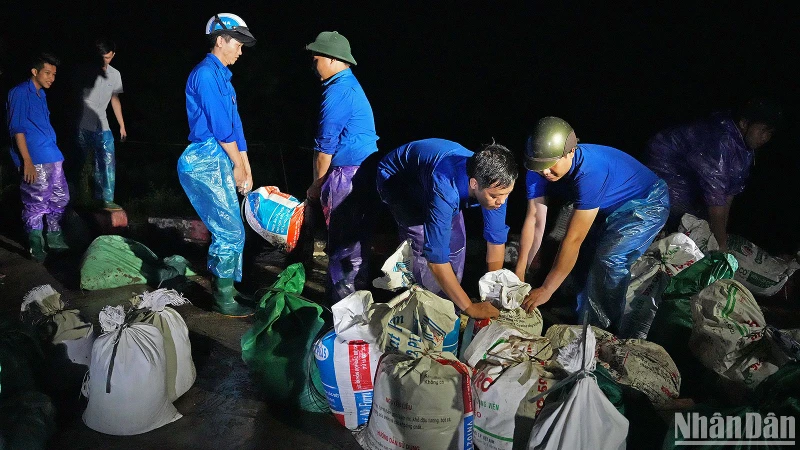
[[215, 165]]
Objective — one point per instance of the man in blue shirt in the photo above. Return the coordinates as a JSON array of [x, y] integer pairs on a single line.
[[427, 184], [629, 202], [344, 169], [43, 189], [215, 165]]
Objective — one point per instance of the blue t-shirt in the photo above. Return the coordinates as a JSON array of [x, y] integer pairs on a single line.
[[427, 180], [211, 104], [600, 177], [28, 114], [346, 124]]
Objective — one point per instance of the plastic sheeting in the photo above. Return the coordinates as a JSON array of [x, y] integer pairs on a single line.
[[45, 198], [206, 174], [702, 163], [100, 147], [348, 203], [623, 238]]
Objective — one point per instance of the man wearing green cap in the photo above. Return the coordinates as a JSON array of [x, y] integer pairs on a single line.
[[344, 168], [625, 203]]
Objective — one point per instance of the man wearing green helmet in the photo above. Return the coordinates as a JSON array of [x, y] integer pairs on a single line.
[[345, 161], [625, 201]]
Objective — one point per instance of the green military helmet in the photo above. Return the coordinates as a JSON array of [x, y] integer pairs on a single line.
[[551, 139], [334, 45]]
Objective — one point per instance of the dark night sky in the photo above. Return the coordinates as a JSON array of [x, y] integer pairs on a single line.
[[466, 71]]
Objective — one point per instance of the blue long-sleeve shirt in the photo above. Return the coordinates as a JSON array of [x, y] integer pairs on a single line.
[[429, 182], [28, 114], [346, 127], [211, 104]]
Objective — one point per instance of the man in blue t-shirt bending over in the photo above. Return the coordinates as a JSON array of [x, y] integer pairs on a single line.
[[427, 184], [630, 203]]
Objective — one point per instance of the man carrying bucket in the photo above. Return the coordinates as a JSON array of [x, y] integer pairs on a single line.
[[215, 165], [344, 165]]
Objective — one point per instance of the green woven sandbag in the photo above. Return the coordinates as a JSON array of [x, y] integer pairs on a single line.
[[112, 261], [672, 325], [278, 348], [780, 393]]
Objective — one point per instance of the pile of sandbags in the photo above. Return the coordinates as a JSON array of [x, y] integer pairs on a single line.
[[762, 274], [650, 275], [127, 383]]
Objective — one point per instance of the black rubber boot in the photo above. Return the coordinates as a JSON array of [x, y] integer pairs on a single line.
[[225, 299], [36, 243]]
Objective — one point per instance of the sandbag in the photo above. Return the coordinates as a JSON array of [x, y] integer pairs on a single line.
[[529, 324], [397, 270], [504, 412], [113, 261], [417, 320], [698, 231], [275, 216], [727, 331], [489, 336], [582, 417], [347, 358], [278, 347], [127, 384], [642, 365], [759, 272], [152, 309], [650, 276], [421, 402], [347, 370], [43, 307]]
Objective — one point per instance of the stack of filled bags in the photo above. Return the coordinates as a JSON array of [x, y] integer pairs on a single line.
[[140, 365]]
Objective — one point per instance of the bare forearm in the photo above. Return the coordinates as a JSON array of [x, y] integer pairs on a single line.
[[495, 256], [22, 146], [232, 150], [116, 106], [718, 222], [245, 162], [444, 275], [322, 162], [563, 265]]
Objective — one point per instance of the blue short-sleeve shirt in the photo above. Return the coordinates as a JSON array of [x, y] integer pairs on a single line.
[[600, 177], [427, 181], [346, 128]]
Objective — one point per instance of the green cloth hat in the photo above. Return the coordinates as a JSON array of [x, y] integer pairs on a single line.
[[334, 45]]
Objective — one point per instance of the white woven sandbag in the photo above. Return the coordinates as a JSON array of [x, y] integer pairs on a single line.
[[759, 272], [503, 289], [181, 372], [423, 403], [127, 387], [504, 412], [584, 420], [727, 334]]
